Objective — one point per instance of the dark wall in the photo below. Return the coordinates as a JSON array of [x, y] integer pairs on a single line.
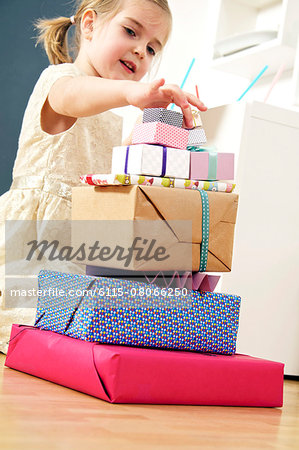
[[21, 65]]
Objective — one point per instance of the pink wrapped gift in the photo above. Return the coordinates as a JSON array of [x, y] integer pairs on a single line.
[[211, 166], [160, 133], [120, 374]]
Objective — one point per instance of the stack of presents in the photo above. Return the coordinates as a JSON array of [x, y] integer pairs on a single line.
[[128, 341]]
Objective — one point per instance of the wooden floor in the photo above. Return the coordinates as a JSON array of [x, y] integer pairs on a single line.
[[36, 414]]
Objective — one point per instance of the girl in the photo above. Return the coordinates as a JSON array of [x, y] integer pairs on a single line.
[[67, 128]]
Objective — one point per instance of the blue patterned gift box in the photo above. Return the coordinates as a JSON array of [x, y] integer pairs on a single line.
[[108, 310]]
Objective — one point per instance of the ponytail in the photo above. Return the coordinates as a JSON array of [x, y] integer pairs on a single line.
[[52, 33]]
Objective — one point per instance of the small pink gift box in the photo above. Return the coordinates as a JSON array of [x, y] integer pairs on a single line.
[[160, 133], [211, 166]]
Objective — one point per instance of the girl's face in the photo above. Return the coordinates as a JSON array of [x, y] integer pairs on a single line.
[[124, 47]]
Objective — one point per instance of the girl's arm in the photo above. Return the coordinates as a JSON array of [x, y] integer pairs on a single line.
[[73, 97]]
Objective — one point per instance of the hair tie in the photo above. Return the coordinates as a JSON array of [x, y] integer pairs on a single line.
[[72, 19]]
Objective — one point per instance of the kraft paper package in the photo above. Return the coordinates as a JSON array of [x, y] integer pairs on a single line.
[[196, 232]]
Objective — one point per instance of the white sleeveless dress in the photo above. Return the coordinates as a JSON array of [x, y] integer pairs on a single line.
[[46, 168]]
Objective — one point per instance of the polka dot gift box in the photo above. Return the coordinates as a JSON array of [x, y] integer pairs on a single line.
[[197, 136], [108, 310], [160, 133], [163, 115]]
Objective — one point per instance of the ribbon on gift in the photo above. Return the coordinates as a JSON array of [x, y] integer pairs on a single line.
[[212, 170], [126, 160], [205, 231], [200, 148], [164, 161]]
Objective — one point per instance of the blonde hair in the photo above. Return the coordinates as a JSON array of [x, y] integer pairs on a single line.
[[52, 33]]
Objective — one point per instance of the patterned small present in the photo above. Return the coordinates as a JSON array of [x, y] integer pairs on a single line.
[[145, 159], [196, 118], [122, 179], [160, 133], [136, 314], [163, 115], [197, 136], [211, 166]]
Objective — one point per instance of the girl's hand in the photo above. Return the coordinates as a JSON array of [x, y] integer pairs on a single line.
[[159, 95]]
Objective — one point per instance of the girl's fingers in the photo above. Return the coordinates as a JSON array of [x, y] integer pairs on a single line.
[[186, 108], [162, 95], [193, 100], [181, 100], [184, 100], [177, 96], [155, 85], [188, 118]]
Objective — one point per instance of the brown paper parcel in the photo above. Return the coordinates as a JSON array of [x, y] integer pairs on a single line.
[[176, 214]]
